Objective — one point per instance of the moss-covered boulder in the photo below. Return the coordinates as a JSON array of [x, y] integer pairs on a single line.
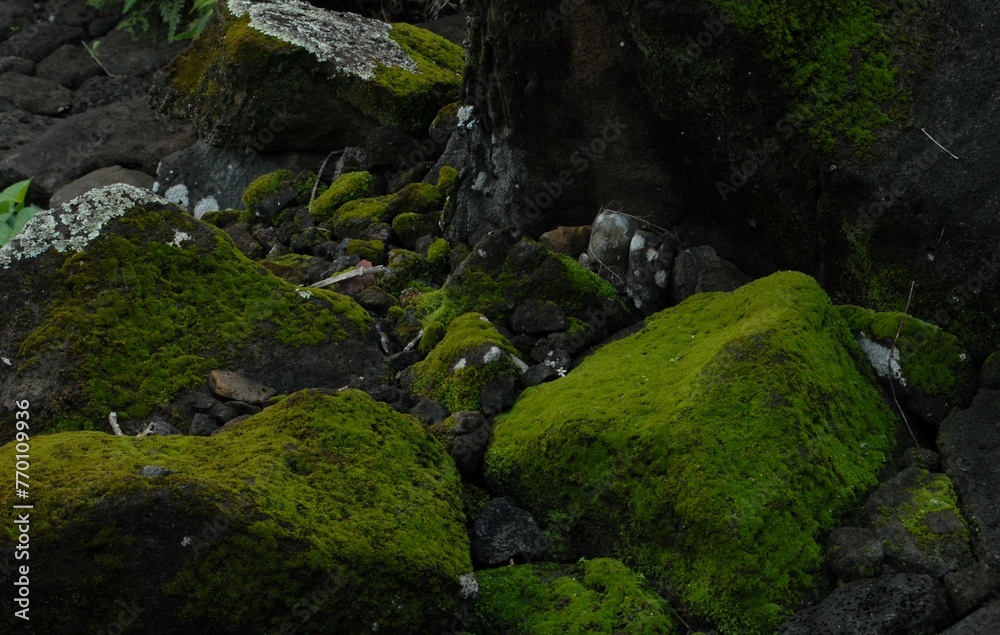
[[288, 75], [471, 353], [350, 219], [120, 301], [347, 187], [601, 596], [334, 508], [930, 371], [710, 450]]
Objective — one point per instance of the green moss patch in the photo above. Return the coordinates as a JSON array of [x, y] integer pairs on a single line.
[[710, 450], [347, 187], [455, 371], [333, 494], [351, 219], [159, 300], [600, 596], [931, 361]]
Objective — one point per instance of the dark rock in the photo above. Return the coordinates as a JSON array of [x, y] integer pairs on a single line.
[[69, 65], [230, 385], [266, 236], [524, 343], [467, 436], [103, 91], [504, 532], [328, 250], [535, 317], [922, 458], [897, 604], [968, 587], [854, 553], [450, 27], [98, 179], [378, 231], [70, 13], [230, 424], [203, 425], [223, 411], [243, 238], [404, 359], [650, 264], [376, 300], [388, 147], [18, 128], [13, 15], [569, 241], [538, 374], [410, 227], [989, 374], [125, 133], [269, 206], [123, 54], [155, 471], [34, 94], [205, 176], [429, 411], [159, 429], [201, 401], [700, 269], [242, 408], [11, 64], [37, 41], [969, 441], [917, 518], [610, 243], [985, 621], [499, 394]]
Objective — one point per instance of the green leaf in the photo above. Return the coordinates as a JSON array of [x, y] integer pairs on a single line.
[[14, 196], [11, 225]]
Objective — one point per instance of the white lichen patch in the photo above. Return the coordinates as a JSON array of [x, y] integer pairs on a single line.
[[179, 238], [73, 225], [304, 294], [883, 359], [492, 355], [355, 45], [205, 205], [469, 585], [460, 364], [178, 194]]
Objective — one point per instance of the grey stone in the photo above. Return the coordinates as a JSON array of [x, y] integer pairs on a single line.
[[989, 374], [470, 435], [203, 425], [700, 269], [968, 587], [854, 553], [12, 64], [650, 265], [18, 128], [610, 244], [221, 412], [69, 65], [498, 395], [36, 41], [429, 411], [242, 236], [535, 317], [538, 374], [98, 179], [898, 604], [231, 424], [242, 408], [155, 471], [504, 532], [159, 429], [103, 90], [569, 241], [969, 442], [34, 94], [376, 300], [201, 401], [230, 385], [985, 621], [123, 54]]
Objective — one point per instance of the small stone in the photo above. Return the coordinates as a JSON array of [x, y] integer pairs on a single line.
[[222, 412], [242, 408], [376, 300], [155, 471], [203, 425], [503, 532], [968, 587], [498, 395], [535, 317], [201, 401], [429, 411], [230, 424], [160, 429], [569, 241], [231, 385]]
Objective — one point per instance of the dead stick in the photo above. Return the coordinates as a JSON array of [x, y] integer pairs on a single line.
[[892, 385]]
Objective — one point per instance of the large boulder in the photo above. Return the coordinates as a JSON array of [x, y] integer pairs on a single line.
[[712, 449], [321, 514], [286, 75], [120, 301]]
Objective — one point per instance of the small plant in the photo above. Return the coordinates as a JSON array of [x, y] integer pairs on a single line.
[[137, 14], [14, 214]]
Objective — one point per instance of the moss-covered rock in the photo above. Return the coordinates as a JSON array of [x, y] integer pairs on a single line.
[[455, 371], [121, 302], [374, 251], [351, 219], [600, 595], [332, 507], [260, 76], [931, 372], [710, 450], [347, 187]]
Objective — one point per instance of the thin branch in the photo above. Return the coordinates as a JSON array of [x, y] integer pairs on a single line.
[[348, 275], [312, 195], [938, 144], [892, 385], [113, 420], [94, 55]]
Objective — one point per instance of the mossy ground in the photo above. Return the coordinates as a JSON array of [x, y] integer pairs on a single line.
[[312, 487], [932, 361], [347, 187], [142, 319], [710, 450], [460, 388], [601, 596]]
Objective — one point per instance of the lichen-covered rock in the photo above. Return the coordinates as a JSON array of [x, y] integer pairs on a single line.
[[456, 370], [338, 498], [917, 518], [600, 595], [120, 301], [711, 449], [284, 74], [930, 371]]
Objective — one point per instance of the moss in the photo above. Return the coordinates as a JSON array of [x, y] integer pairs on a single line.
[[374, 251], [600, 595], [448, 111], [314, 488], [932, 361], [434, 332], [264, 186], [446, 180], [409, 100], [227, 217], [289, 267], [446, 376], [710, 450], [347, 187], [353, 217], [931, 497], [142, 319], [439, 255]]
